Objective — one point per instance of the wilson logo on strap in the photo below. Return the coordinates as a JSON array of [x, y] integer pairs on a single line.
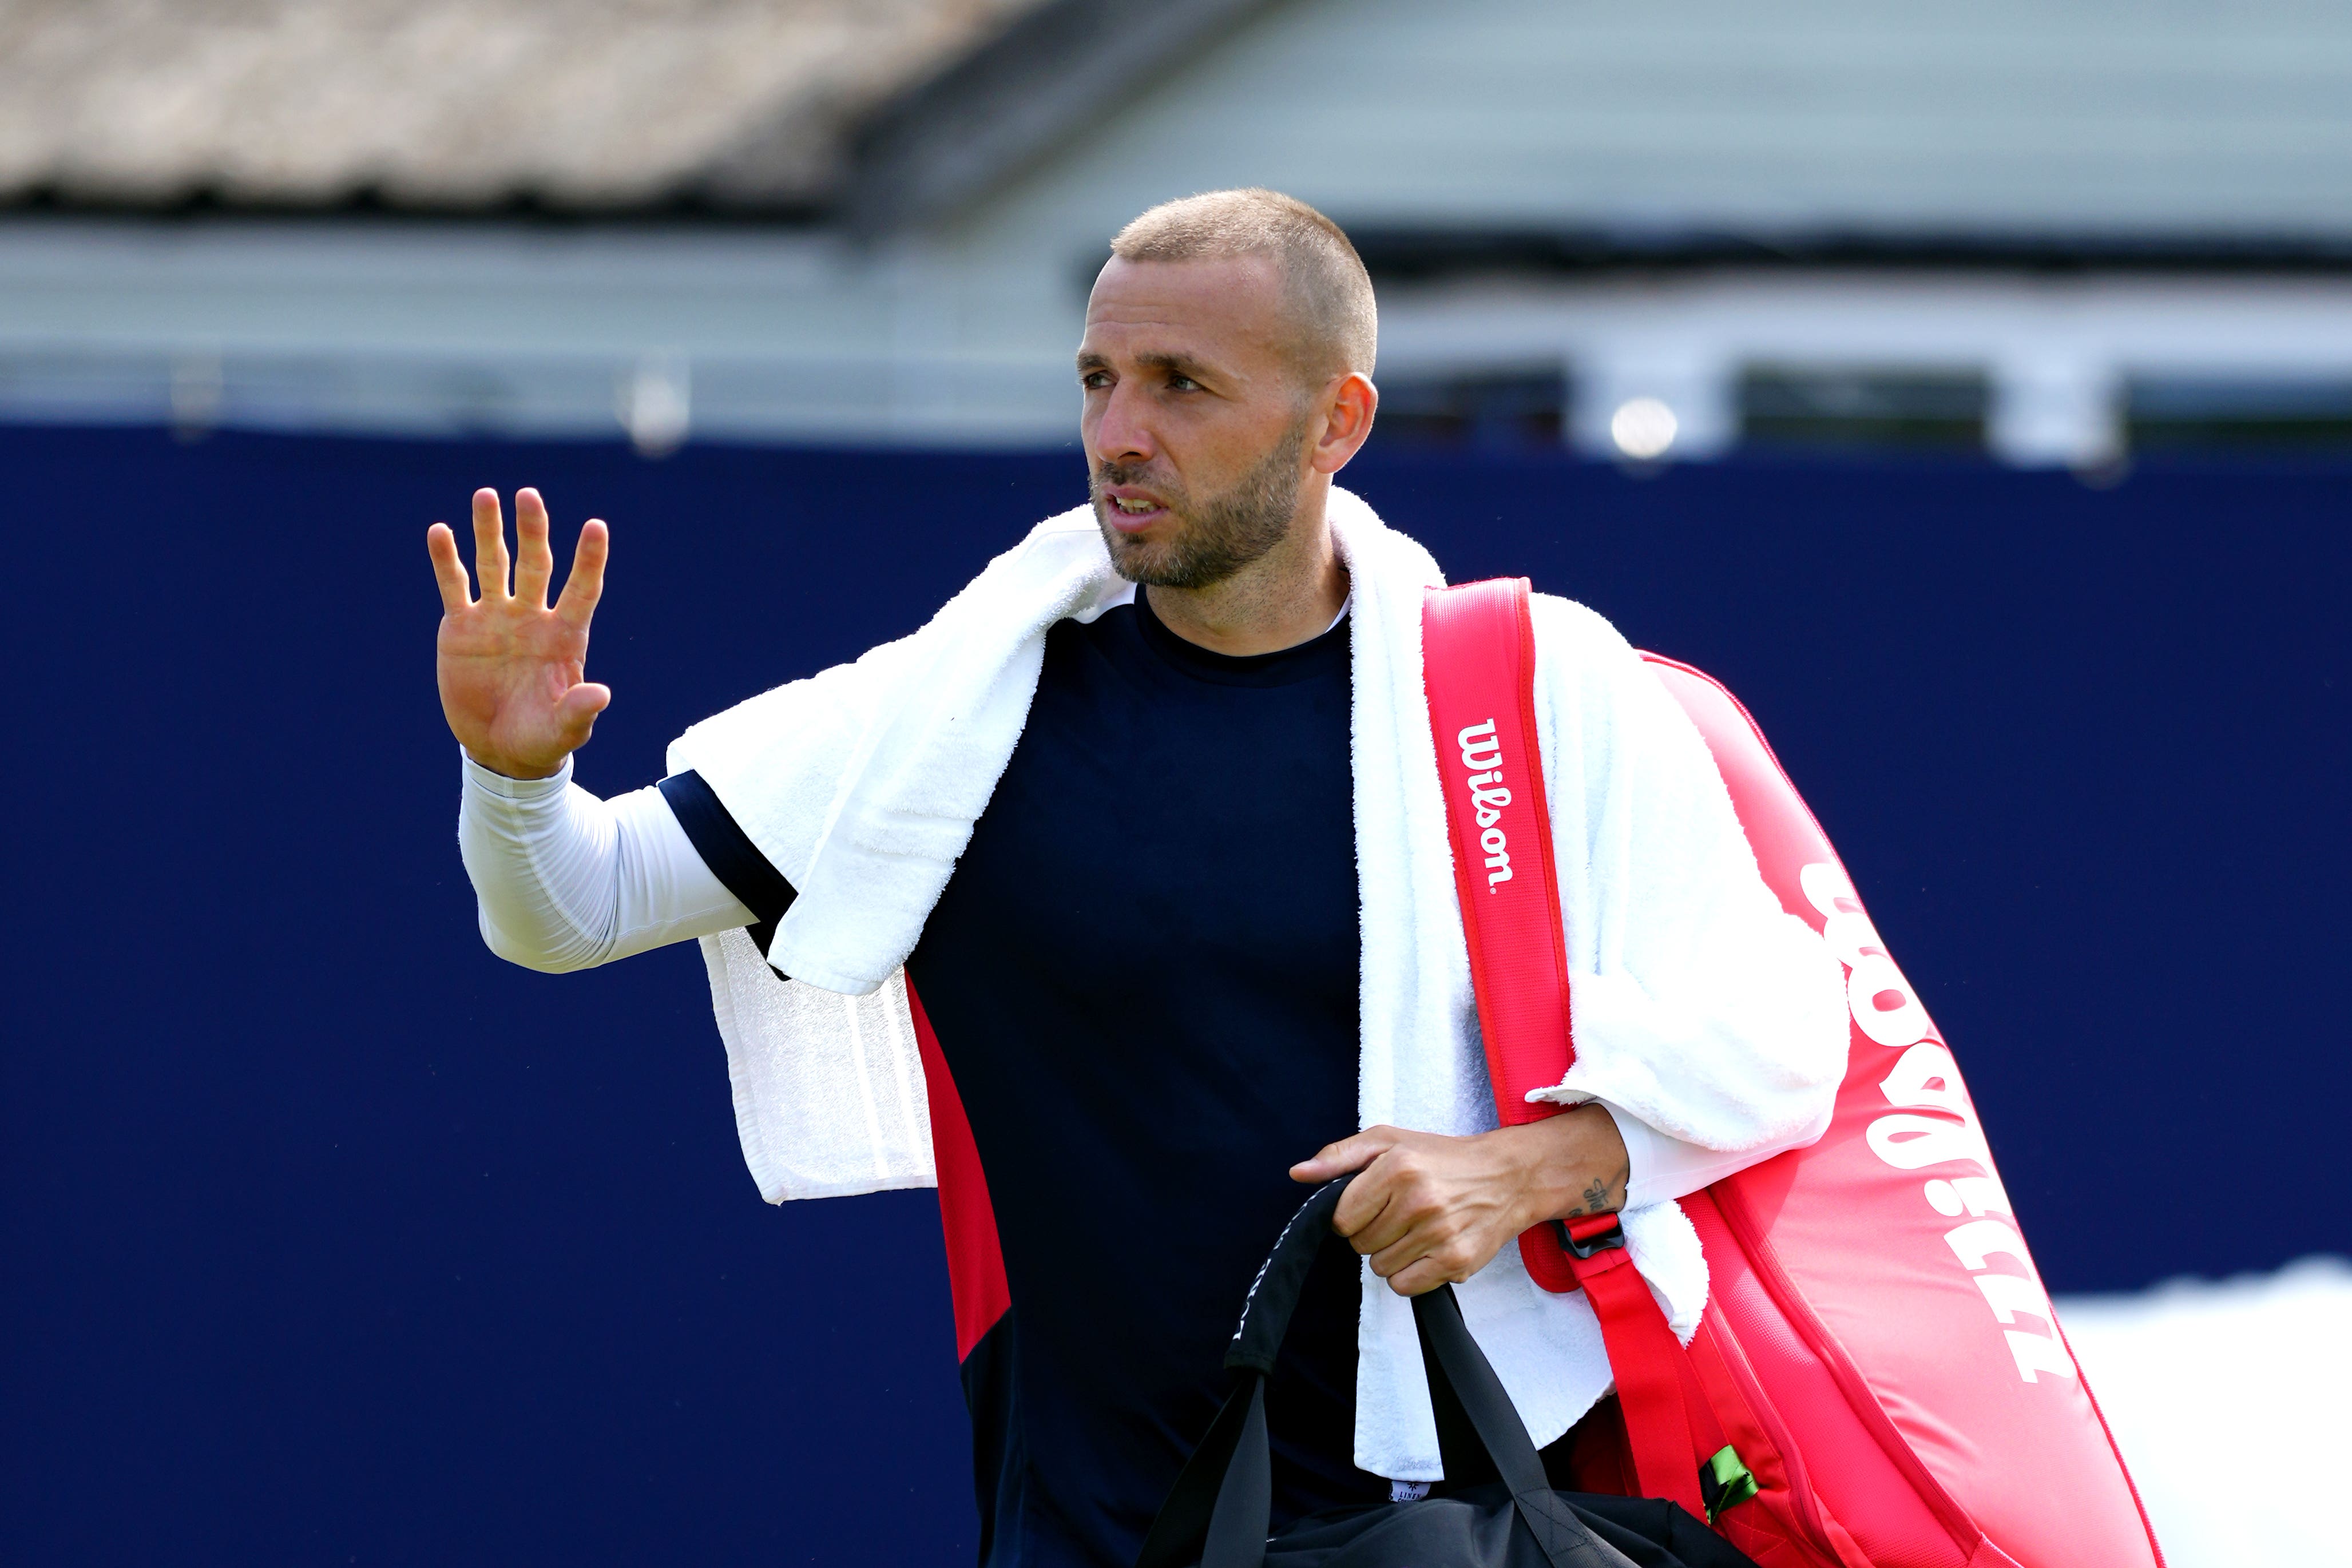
[[1482, 755]]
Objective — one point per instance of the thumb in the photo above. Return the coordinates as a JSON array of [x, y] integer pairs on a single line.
[[1349, 1153], [576, 710]]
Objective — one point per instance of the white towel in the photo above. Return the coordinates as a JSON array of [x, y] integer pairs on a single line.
[[1699, 1005]]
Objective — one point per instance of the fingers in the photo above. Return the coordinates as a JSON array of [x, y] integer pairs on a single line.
[[448, 570], [534, 562], [1419, 1259], [585, 586], [1417, 1248], [1420, 1276], [1385, 1203], [489, 548], [1428, 1258]]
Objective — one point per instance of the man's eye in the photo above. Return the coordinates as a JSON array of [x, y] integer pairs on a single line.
[[1095, 380], [1183, 383]]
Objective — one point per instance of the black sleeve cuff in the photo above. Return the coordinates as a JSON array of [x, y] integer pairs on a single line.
[[730, 853]]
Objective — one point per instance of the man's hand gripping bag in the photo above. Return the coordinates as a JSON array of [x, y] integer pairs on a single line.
[[1879, 1381]]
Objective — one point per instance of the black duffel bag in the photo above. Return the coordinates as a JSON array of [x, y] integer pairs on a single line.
[[1217, 1513]]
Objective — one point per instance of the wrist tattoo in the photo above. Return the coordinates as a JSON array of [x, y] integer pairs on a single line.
[[1602, 1196]]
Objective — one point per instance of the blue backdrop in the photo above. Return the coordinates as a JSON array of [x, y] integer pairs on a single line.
[[329, 1239]]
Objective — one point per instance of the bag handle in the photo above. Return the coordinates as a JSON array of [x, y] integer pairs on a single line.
[[1218, 1511]]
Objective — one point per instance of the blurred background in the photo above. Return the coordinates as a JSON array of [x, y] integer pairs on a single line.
[[1967, 385]]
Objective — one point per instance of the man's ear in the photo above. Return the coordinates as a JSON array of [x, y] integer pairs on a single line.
[[1348, 403]]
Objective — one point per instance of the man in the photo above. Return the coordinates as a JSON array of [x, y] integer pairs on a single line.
[[1146, 826]]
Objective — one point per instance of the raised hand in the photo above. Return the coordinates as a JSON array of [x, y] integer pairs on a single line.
[[509, 666]]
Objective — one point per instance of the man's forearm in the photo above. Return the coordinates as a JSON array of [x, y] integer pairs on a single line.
[[1597, 1159], [1571, 1164], [566, 880]]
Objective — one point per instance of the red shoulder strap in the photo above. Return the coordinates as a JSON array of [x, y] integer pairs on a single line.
[[1478, 666]]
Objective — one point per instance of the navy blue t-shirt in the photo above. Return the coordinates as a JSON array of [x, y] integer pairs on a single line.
[[1143, 976]]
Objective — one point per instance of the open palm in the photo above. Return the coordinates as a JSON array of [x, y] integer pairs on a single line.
[[509, 668]]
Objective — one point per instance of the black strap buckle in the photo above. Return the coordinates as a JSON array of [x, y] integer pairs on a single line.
[[1597, 1239]]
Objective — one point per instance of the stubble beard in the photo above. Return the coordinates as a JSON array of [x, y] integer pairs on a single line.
[[1214, 537]]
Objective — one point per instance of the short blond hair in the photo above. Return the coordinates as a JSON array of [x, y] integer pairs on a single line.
[[1325, 287]]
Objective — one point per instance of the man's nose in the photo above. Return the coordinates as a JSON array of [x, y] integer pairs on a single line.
[[1123, 433]]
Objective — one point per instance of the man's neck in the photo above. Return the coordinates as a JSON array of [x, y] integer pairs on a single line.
[[1287, 596]]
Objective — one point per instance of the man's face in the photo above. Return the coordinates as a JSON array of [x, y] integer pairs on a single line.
[[1195, 424]]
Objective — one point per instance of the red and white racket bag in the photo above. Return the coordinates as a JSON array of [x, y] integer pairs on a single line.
[[1879, 1381]]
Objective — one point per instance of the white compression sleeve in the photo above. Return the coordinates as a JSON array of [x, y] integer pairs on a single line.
[[566, 880], [1664, 1167]]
